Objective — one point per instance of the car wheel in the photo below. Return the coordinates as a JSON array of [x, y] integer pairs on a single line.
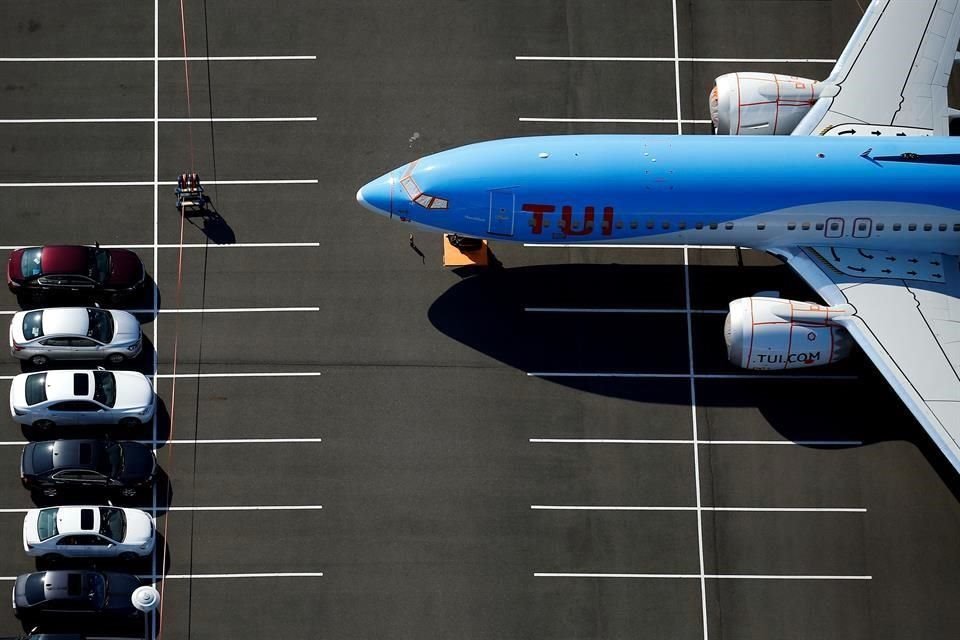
[[39, 361], [130, 422], [44, 425], [52, 559], [128, 556], [116, 358]]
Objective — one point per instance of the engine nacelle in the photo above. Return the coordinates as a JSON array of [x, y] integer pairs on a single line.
[[760, 103], [772, 333]]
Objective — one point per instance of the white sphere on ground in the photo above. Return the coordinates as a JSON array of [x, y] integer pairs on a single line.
[[145, 598]]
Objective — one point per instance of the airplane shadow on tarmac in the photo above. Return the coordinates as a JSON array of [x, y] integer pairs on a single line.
[[500, 313]]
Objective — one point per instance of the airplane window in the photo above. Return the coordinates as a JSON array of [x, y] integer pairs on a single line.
[[410, 187], [956, 227], [819, 226], [805, 226], [714, 225], [862, 226], [682, 225], [728, 226], [699, 225], [928, 227], [942, 227], [834, 226], [424, 201], [619, 224], [896, 226], [665, 224], [633, 224], [439, 203], [879, 226], [649, 224], [912, 227], [791, 226], [761, 227], [546, 223]]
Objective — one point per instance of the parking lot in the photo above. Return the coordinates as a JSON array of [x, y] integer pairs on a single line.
[[359, 443]]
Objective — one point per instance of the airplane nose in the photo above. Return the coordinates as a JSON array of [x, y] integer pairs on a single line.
[[377, 196]]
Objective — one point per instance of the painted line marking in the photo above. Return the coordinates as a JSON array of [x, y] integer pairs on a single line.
[[616, 120], [697, 576], [233, 310], [684, 376], [618, 310], [282, 374], [163, 59], [148, 183], [278, 507], [188, 441], [548, 507], [229, 576], [138, 120], [586, 245], [673, 59], [750, 443], [235, 245]]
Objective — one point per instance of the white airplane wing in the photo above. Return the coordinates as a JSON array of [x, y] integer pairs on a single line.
[[891, 78], [907, 320]]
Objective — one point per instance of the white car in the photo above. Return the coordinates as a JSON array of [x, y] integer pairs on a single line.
[[95, 532], [49, 398], [74, 333]]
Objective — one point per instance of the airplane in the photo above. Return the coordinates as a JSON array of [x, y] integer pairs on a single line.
[[862, 200]]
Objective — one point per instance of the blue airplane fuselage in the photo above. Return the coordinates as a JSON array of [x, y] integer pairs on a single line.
[[883, 192]]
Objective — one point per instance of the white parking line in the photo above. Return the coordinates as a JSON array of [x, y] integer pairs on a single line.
[[615, 120], [148, 183], [750, 443], [228, 576], [553, 507], [280, 374], [278, 507], [136, 120], [162, 59], [684, 376], [618, 310], [697, 576], [188, 441], [196, 245], [672, 59], [586, 245]]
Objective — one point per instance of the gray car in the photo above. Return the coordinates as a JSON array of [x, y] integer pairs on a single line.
[[74, 333]]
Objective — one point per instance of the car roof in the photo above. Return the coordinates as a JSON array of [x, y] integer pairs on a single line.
[[71, 520], [77, 454], [64, 259], [65, 321], [57, 584], [63, 384]]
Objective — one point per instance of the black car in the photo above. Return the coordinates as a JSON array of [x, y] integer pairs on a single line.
[[63, 464], [74, 593]]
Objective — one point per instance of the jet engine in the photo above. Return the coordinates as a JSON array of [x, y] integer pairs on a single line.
[[760, 103], [773, 333]]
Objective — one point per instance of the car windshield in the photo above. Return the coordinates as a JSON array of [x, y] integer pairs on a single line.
[[105, 391], [113, 523], [101, 325], [30, 263], [33, 325], [98, 264], [47, 523], [35, 388], [34, 588], [112, 463]]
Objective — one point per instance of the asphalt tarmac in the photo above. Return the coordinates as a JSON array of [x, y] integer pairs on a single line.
[[359, 443]]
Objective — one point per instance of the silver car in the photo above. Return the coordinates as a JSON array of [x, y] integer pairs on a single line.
[[74, 333]]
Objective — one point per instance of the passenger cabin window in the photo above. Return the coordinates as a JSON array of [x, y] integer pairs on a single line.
[[665, 224], [878, 226], [819, 226], [805, 226], [728, 226], [942, 227], [634, 224], [649, 224], [912, 226], [791, 226], [896, 226], [761, 227], [699, 225], [714, 226], [682, 226], [956, 227], [928, 227]]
